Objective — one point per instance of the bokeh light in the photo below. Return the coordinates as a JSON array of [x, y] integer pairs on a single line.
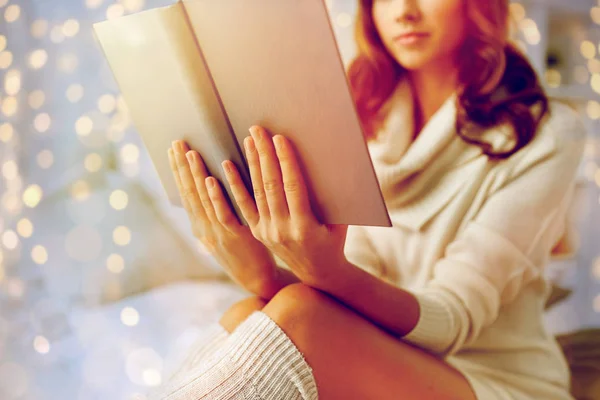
[[6, 132], [121, 236], [10, 106], [12, 13], [38, 58], [115, 263], [45, 159], [115, 11], [10, 170], [32, 196], [41, 345], [74, 92], [39, 255], [25, 228], [70, 28], [93, 162], [130, 153], [80, 190], [84, 126], [107, 103], [118, 200], [42, 122], [6, 59], [10, 240], [130, 316], [12, 82]]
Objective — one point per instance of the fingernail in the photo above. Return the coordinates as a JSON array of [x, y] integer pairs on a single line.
[[190, 156], [278, 142], [210, 183], [255, 133], [226, 166], [249, 143]]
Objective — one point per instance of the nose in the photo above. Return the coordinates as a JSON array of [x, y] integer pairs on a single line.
[[407, 10]]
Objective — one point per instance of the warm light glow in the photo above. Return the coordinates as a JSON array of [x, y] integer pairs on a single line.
[[6, 59], [38, 58], [10, 170], [595, 14], [593, 109], [6, 132], [74, 93], [122, 236], [32, 196], [12, 82], [343, 20], [107, 103], [130, 316], [530, 31], [11, 203], [130, 153], [118, 200], [39, 255], [45, 159], [595, 82], [93, 162], [10, 106], [587, 49], [84, 126], [12, 13], [41, 345], [2, 42], [25, 228], [93, 3], [37, 98], [10, 240], [39, 28], [42, 122], [152, 377], [517, 11], [70, 28], [80, 190], [115, 11], [115, 263], [594, 66], [133, 5]]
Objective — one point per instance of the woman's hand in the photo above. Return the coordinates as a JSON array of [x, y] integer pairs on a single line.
[[281, 216], [244, 258]]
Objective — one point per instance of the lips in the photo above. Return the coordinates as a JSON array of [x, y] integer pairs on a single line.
[[410, 35], [410, 38]]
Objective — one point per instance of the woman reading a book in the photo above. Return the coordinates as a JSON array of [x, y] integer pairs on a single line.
[[477, 168]]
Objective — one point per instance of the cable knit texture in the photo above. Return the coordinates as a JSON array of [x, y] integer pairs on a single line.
[[471, 237], [257, 361]]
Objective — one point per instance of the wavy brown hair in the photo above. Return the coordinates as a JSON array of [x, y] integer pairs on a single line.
[[497, 84]]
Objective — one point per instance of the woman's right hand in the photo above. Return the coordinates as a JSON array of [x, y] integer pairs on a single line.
[[244, 258]]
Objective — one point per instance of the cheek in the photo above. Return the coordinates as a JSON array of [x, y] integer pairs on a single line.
[[449, 18]]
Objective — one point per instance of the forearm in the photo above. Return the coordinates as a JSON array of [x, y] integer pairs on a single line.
[[390, 307]]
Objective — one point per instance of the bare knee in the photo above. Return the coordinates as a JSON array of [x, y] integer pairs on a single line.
[[239, 311]]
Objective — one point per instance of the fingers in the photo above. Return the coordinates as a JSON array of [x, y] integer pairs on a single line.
[[222, 208], [256, 177], [195, 194], [240, 193], [293, 181], [270, 173], [175, 170]]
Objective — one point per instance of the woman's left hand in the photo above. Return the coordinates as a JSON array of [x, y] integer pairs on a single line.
[[280, 215]]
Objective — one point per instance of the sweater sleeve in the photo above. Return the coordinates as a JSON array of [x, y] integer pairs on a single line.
[[505, 246]]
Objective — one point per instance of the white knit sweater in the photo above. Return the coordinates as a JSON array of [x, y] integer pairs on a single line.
[[471, 238]]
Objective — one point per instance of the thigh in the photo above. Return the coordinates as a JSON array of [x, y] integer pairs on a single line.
[[353, 358]]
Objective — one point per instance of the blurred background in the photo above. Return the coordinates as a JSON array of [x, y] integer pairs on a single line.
[[101, 281]]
